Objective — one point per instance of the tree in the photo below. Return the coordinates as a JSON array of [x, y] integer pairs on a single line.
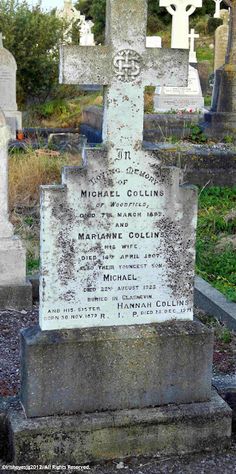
[[32, 36]]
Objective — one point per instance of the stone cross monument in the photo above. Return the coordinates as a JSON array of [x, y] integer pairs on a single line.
[[86, 35], [117, 259], [192, 54], [217, 8], [180, 19], [124, 66]]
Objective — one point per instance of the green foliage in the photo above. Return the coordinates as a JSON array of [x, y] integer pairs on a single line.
[[196, 134], [158, 17], [212, 24], [53, 107], [207, 101], [216, 266], [225, 336], [32, 265], [205, 54], [199, 24], [98, 13], [95, 10], [221, 333], [228, 139], [84, 6], [32, 37]]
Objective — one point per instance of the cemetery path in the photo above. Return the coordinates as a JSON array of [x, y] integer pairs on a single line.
[[11, 322]]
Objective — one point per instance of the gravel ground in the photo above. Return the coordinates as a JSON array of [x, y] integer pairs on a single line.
[[213, 463], [209, 463], [12, 321], [10, 324]]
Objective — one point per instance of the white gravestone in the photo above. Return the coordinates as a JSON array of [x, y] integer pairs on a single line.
[[217, 8], [12, 252], [188, 98], [180, 11], [8, 103], [153, 42], [70, 15], [86, 35], [117, 237], [192, 54]]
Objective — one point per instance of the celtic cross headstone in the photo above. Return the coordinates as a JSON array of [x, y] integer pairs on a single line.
[[117, 256], [180, 10], [117, 232], [217, 8]]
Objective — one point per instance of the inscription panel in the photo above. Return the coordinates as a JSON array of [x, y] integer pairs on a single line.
[[114, 248], [7, 88]]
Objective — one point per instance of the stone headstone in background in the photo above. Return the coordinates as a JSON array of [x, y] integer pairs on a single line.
[[71, 16], [206, 77], [181, 12], [168, 99], [221, 120], [8, 103], [72, 143], [221, 40], [15, 292], [86, 35], [153, 41]]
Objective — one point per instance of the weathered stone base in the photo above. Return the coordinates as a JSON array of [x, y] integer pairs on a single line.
[[79, 439], [16, 296], [115, 368]]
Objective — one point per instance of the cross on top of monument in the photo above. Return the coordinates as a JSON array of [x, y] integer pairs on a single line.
[[125, 66], [192, 55], [188, 6], [180, 11]]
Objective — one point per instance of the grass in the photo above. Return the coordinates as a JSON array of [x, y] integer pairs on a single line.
[[205, 53], [61, 112], [217, 221], [67, 113], [26, 173]]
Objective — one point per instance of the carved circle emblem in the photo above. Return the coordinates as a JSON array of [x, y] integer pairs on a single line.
[[127, 65]]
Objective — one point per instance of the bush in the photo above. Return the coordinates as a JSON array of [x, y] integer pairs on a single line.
[[212, 24], [32, 36]]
